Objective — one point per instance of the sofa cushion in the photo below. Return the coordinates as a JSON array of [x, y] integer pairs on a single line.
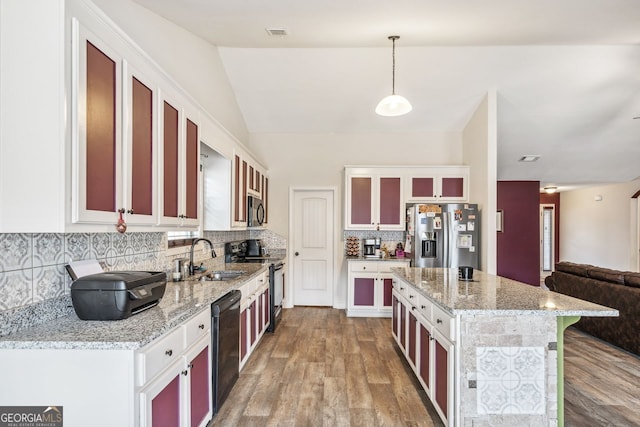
[[571, 268], [632, 279], [607, 275]]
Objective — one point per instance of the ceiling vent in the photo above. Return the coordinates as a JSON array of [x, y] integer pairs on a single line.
[[529, 158], [280, 32]]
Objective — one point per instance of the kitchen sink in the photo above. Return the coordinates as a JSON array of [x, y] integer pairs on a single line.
[[217, 276]]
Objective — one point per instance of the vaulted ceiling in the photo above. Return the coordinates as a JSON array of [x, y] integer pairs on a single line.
[[567, 73]]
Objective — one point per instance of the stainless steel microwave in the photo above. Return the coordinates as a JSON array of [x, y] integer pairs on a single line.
[[255, 212]]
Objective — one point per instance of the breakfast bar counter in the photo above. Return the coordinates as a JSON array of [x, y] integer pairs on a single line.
[[487, 351]]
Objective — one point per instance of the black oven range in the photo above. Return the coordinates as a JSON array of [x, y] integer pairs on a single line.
[[252, 250]]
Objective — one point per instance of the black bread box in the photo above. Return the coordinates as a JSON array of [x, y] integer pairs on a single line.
[[116, 295]]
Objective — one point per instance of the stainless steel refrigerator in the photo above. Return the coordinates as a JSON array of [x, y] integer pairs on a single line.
[[443, 235]]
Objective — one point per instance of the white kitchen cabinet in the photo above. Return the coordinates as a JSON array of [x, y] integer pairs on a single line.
[[249, 179], [253, 322], [373, 200], [178, 160], [176, 367], [369, 288], [437, 184], [175, 376], [426, 337]]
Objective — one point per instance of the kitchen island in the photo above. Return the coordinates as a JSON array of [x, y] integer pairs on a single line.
[[487, 351]]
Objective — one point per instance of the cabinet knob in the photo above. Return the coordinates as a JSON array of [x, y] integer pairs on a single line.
[[401, 288], [364, 268], [190, 365], [439, 321], [130, 211], [185, 372], [423, 307], [121, 210], [430, 338], [201, 326], [413, 307], [169, 352], [297, 253], [410, 296]]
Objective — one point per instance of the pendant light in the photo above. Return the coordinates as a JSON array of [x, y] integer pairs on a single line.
[[393, 105]]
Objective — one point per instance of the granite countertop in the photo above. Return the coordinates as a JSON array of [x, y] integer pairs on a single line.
[[181, 301], [489, 294]]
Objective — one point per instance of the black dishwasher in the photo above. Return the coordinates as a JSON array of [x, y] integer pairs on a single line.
[[225, 336]]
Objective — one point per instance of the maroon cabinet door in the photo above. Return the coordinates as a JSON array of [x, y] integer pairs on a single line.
[[441, 377], [100, 131], [243, 334], [390, 201], [412, 338], [361, 200], [402, 324], [265, 199], [254, 334], [200, 382], [394, 316], [165, 407], [422, 187], [170, 163], [267, 306], [142, 149], [191, 208], [260, 313], [452, 187], [425, 355], [387, 289], [236, 185], [364, 291]]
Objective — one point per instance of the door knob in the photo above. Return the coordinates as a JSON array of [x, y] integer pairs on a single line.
[[297, 253]]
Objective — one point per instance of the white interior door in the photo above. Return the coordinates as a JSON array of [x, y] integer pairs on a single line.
[[312, 244]]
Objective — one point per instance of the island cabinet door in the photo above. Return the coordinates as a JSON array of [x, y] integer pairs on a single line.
[[411, 349], [424, 368], [443, 375], [254, 331], [402, 326], [394, 317]]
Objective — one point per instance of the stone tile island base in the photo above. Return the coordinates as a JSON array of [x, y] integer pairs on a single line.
[[508, 371]]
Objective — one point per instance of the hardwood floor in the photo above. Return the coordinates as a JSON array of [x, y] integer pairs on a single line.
[[602, 383], [321, 368]]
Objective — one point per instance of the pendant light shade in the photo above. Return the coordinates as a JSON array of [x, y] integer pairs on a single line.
[[393, 105]]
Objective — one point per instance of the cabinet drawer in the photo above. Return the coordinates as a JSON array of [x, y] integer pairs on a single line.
[[197, 327], [158, 355], [412, 296], [386, 266], [425, 307], [401, 287], [443, 322], [368, 266]]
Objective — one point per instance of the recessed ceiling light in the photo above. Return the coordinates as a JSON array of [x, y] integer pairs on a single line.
[[281, 32], [529, 158]]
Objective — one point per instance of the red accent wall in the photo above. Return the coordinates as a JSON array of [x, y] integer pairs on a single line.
[[519, 242], [554, 199]]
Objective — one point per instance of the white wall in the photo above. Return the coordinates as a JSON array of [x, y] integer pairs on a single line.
[[479, 141], [307, 160], [319, 160], [194, 63], [602, 233]]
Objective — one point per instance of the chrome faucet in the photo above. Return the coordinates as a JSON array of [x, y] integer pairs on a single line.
[[193, 244]]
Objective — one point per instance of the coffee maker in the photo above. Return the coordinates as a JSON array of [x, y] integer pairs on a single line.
[[371, 247]]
